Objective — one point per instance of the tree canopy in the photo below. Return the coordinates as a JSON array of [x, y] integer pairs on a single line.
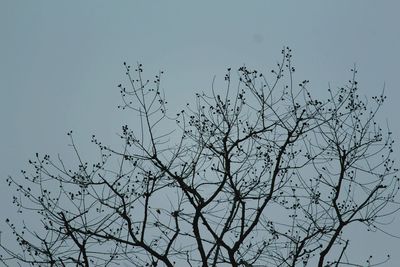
[[259, 173]]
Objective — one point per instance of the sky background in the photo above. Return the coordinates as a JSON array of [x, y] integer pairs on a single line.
[[60, 62]]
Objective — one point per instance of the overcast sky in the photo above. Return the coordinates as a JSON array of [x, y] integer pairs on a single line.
[[60, 62]]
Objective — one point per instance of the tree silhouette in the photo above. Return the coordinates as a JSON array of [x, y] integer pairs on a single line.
[[260, 173]]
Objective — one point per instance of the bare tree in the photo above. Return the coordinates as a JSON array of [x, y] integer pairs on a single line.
[[260, 173]]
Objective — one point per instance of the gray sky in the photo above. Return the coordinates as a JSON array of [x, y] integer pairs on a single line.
[[60, 62]]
